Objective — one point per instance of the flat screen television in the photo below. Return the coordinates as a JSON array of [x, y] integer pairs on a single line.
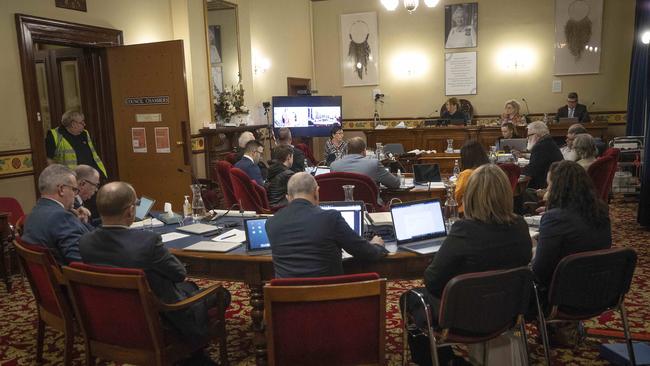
[[307, 115]]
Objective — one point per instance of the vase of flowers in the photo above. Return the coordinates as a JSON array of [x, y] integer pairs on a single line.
[[230, 107]]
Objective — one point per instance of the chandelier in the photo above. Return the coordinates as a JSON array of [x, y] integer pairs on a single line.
[[409, 5]]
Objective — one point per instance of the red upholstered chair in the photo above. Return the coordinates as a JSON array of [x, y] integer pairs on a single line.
[[365, 189], [52, 305], [336, 320], [249, 194], [613, 152], [308, 154], [513, 171], [16, 218], [477, 307], [222, 172], [585, 285], [231, 157], [120, 317], [602, 172]]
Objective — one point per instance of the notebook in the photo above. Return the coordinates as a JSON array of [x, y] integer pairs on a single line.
[[143, 208], [352, 212], [257, 242], [198, 229], [419, 226], [425, 173]]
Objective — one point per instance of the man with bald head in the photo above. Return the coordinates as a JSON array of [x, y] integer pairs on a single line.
[[306, 241], [114, 244], [52, 223]]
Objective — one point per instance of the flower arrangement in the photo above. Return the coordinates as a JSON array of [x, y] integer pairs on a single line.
[[230, 102]]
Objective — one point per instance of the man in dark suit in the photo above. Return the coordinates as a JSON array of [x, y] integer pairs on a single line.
[[52, 222], [573, 109], [356, 162], [543, 152], [114, 244], [284, 138], [306, 241], [249, 162]]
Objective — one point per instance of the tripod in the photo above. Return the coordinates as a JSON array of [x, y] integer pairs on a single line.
[[376, 119], [269, 128]]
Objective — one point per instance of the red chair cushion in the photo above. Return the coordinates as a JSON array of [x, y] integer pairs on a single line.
[[11, 205], [329, 280], [40, 276], [223, 177], [365, 189], [250, 195], [602, 172], [513, 171]]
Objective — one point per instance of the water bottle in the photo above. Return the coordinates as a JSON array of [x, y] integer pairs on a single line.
[[187, 208], [198, 208], [545, 119], [451, 208], [402, 179], [456, 168], [306, 164]]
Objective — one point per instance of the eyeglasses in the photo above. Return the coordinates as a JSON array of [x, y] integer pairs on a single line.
[[96, 185], [74, 189]]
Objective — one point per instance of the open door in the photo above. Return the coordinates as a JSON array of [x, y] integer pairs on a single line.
[[151, 119]]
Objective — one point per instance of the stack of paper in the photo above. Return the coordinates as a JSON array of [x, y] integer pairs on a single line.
[[381, 218], [147, 223]]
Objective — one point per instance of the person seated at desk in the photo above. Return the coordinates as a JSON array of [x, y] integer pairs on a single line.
[[585, 149], [114, 244], [52, 222], [453, 111], [356, 162], [567, 150], [508, 131], [284, 138], [472, 156], [88, 183], [573, 109], [543, 152], [306, 241], [279, 174], [249, 162], [511, 114], [490, 237], [335, 147]]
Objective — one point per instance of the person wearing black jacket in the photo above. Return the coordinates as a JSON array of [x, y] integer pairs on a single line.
[[306, 241], [279, 174], [490, 237], [453, 111], [573, 109], [284, 138], [543, 152]]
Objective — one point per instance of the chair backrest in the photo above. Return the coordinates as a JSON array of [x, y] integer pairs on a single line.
[[308, 154], [114, 307], [326, 321], [465, 107], [513, 171], [602, 172], [11, 205], [365, 189], [395, 149], [483, 305], [588, 283], [231, 157], [613, 152], [248, 193], [45, 280], [222, 172]]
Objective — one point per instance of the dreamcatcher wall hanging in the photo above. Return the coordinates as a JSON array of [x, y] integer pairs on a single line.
[[578, 25], [359, 49]]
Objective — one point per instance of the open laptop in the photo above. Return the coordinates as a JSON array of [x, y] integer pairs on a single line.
[[320, 170], [257, 242], [419, 226], [143, 208], [425, 173], [520, 144], [352, 212]]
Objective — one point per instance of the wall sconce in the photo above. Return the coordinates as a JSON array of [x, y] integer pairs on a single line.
[[260, 65], [516, 59], [409, 65]]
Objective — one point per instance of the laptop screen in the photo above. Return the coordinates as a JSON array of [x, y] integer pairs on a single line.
[[419, 220], [519, 144], [143, 208], [425, 173], [352, 212], [256, 238], [321, 170]]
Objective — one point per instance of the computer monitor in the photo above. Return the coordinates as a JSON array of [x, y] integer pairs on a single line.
[[321, 170], [352, 212], [256, 238], [142, 209], [425, 173], [418, 220]]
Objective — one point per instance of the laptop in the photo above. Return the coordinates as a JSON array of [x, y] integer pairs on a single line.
[[199, 229], [257, 242], [520, 144], [352, 212], [568, 120], [320, 170], [143, 208], [425, 173], [419, 226]]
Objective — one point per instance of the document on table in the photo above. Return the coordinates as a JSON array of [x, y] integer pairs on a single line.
[[172, 236], [231, 236], [213, 246]]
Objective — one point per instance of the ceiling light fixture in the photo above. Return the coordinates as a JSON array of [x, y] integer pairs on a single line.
[[409, 5]]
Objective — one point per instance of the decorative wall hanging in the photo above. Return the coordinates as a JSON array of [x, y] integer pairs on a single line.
[[359, 49], [578, 26]]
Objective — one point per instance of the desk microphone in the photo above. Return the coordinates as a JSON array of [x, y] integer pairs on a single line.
[[526, 102], [194, 180]]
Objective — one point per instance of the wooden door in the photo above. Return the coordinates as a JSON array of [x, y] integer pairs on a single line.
[[147, 83]]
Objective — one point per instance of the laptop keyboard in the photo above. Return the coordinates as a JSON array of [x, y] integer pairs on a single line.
[[426, 244]]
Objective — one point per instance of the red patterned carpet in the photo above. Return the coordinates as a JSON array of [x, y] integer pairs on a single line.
[[18, 317]]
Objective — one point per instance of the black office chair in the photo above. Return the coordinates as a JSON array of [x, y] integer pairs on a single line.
[[586, 285], [477, 307]]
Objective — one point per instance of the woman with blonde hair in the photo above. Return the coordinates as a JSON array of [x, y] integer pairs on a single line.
[[490, 237], [511, 114]]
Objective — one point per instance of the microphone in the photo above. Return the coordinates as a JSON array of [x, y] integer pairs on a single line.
[[194, 180], [526, 102]]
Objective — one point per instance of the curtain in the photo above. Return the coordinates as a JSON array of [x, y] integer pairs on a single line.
[[637, 108]]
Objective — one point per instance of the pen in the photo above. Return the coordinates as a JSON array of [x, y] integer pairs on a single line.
[[226, 237]]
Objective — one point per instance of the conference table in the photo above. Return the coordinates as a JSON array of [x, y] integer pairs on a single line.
[[255, 270]]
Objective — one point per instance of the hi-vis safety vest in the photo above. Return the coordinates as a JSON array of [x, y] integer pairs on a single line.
[[65, 154]]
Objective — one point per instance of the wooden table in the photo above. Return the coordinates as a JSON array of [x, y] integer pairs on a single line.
[[255, 270]]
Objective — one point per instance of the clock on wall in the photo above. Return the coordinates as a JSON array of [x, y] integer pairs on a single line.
[[71, 4]]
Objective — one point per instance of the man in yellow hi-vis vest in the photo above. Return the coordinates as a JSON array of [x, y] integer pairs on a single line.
[[70, 144]]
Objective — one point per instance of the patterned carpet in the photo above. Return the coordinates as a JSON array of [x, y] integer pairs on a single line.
[[18, 317]]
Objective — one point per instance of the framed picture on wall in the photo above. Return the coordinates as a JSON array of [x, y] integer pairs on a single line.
[[461, 25], [79, 5], [578, 27], [214, 41], [460, 73], [359, 49]]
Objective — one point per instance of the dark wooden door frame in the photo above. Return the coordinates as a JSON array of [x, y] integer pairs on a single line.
[[31, 30]]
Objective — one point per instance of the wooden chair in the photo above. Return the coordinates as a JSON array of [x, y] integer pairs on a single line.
[[15, 220], [52, 304], [119, 317], [336, 320]]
